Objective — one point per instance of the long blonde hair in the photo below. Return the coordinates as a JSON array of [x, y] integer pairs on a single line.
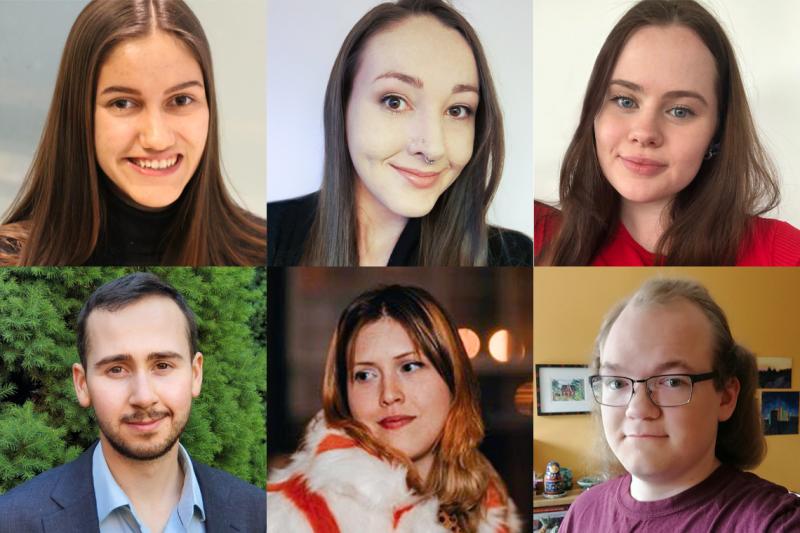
[[461, 476]]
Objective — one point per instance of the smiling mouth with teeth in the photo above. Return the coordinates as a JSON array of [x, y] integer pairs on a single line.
[[156, 164]]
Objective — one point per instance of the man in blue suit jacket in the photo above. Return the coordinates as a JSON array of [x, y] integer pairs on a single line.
[[139, 370]]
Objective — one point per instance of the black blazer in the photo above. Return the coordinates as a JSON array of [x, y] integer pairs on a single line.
[[62, 500], [289, 222]]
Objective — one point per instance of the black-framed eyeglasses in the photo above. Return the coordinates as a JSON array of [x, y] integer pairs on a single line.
[[667, 390]]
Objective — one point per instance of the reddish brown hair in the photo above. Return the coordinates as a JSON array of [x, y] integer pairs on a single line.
[[461, 475]]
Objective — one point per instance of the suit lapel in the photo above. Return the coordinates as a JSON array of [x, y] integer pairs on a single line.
[[74, 493], [220, 517]]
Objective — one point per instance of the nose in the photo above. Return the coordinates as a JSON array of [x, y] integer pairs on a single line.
[[646, 129], [155, 132], [142, 394], [641, 406], [391, 392], [426, 136]]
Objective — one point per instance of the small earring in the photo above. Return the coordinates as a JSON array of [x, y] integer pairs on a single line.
[[712, 151]]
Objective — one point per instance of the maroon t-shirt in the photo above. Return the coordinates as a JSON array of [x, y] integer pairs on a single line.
[[729, 500]]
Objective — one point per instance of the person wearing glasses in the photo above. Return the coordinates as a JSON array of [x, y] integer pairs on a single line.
[[676, 396]]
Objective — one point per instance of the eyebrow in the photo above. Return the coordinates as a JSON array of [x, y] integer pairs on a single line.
[[670, 94], [125, 357], [398, 356], [416, 82], [663, 367], [136, 92]]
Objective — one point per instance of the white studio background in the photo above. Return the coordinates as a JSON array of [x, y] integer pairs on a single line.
[[569, 35], [303, 39], [32, 37]]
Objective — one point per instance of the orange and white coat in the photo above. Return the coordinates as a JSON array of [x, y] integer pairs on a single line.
[[334, 486]]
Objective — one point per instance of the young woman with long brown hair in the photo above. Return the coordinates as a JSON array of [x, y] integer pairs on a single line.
[[128, 166], [395, 447], [665, 166], [414, 151]]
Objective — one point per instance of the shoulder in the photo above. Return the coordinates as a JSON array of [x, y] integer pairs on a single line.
[[757, 504], [593, 507], [12, 238], [229, 501], [772, 243], [24, 507], [546, 221], [509, 248], [288, 224], [332, 482]]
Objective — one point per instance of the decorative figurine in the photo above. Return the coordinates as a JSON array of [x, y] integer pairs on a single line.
[[552, 481]]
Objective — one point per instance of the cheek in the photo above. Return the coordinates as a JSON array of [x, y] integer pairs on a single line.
[[194, 129], [608, 132], [460, 138], [360, 400], [112, 137], [372, 136]]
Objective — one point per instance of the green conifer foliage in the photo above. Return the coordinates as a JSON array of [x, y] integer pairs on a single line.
[[41, 423]]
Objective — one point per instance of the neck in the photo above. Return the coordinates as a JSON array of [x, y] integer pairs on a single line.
[[424, 465], [148, 484], [648, 489], [378, 228], [645, 222]]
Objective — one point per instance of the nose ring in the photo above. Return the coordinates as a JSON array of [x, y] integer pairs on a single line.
[[428, 161]]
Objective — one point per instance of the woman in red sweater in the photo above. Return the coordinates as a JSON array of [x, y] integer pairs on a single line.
[[665, 166]]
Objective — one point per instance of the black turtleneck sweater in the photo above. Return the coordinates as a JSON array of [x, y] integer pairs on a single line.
[[131, 236]]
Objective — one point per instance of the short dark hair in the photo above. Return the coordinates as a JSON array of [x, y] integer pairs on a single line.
[[126, 290]]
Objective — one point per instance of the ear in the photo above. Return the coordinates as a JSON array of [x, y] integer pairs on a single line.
[[81, 387], [728, 398], [197, 374]]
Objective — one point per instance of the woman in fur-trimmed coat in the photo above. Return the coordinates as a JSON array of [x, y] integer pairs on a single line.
[[395, 447]]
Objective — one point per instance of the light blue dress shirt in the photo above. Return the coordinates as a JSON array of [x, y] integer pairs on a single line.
[[115, 511]]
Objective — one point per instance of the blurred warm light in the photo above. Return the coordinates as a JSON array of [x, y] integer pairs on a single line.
[[523, 398], [471, 341], [499, 344]]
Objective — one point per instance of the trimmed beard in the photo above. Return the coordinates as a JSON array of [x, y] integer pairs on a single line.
[[149, 453]]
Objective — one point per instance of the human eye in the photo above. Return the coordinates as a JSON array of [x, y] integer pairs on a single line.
[[363, 376], [162, 366], [615, 384], [459, 112], [122, 104], [394, 103], [681, 112], [672, 382], [182, 100], [115, 371], [624, 102], [411, 366]]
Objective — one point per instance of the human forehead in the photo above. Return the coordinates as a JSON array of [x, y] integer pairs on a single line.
[[151, 63], [149, 324], [422, 47], [659, 338], [667, 58], [381, 340]]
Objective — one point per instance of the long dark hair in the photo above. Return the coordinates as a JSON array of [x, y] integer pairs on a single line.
[[461, 476], [59, 214], [455, 231], [712, 216]]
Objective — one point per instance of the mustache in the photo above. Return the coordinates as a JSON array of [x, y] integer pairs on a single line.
[[140, 416]]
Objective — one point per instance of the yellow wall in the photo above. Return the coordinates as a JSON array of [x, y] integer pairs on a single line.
[[763, 309]]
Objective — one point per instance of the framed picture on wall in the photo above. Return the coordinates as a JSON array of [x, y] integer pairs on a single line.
[[563, 390], [775, 372], [779, 412]]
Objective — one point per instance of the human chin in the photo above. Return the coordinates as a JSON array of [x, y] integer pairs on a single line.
[[149, 193], [144, 444]]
